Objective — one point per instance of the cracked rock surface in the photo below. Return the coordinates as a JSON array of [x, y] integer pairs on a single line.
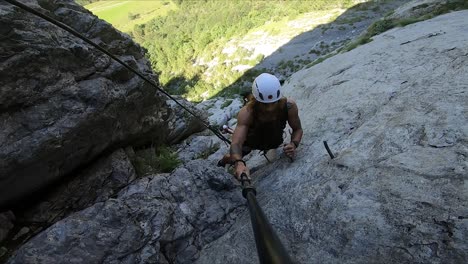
[[63, 103], [164, 218], [395, 113]]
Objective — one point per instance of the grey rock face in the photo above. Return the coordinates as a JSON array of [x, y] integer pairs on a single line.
[[158, 219], [395, 113], [181, 123], [97, 183], [417, 8], [221, 111], [62, 102], [200, 147]]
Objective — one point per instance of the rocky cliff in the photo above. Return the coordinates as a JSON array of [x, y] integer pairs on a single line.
[[64, 103], [395, 113]]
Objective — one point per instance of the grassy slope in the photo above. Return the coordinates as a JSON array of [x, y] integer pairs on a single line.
[[117, 12]]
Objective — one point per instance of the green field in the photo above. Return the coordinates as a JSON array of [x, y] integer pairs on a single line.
[[124, 15]]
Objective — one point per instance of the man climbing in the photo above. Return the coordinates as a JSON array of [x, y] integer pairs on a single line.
[[260, 124]]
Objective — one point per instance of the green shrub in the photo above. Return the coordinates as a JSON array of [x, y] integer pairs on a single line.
[[132, 16], [282, 64], [314, 51], [151, 160], [380, 27], [350, 20], [389, 13], [323, 45], [168, 160], [226, 103], [360, 41], [259, 57], [86, 2], [407, 21], [319, 60], [365, 5], [325, 28], [347, 4]]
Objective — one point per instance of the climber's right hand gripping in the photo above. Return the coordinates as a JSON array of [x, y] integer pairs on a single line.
[[240, 167]]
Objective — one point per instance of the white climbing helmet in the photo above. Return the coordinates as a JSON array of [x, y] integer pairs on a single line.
[[266, 88]]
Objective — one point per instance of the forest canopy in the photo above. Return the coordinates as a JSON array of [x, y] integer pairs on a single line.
[[199, 30], [185, 44]]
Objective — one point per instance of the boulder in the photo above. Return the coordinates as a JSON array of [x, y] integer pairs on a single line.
[[158, 219], [97, 183], [181, 123], [200, 147], [221, 110]]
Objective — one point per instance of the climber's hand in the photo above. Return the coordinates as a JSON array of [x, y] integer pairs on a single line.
[[240, 167], [290, 150]]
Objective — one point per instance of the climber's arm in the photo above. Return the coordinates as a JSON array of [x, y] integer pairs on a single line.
[[295, 123], [238, 138]]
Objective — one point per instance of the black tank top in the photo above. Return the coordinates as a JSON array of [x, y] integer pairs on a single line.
[[267, 134]]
